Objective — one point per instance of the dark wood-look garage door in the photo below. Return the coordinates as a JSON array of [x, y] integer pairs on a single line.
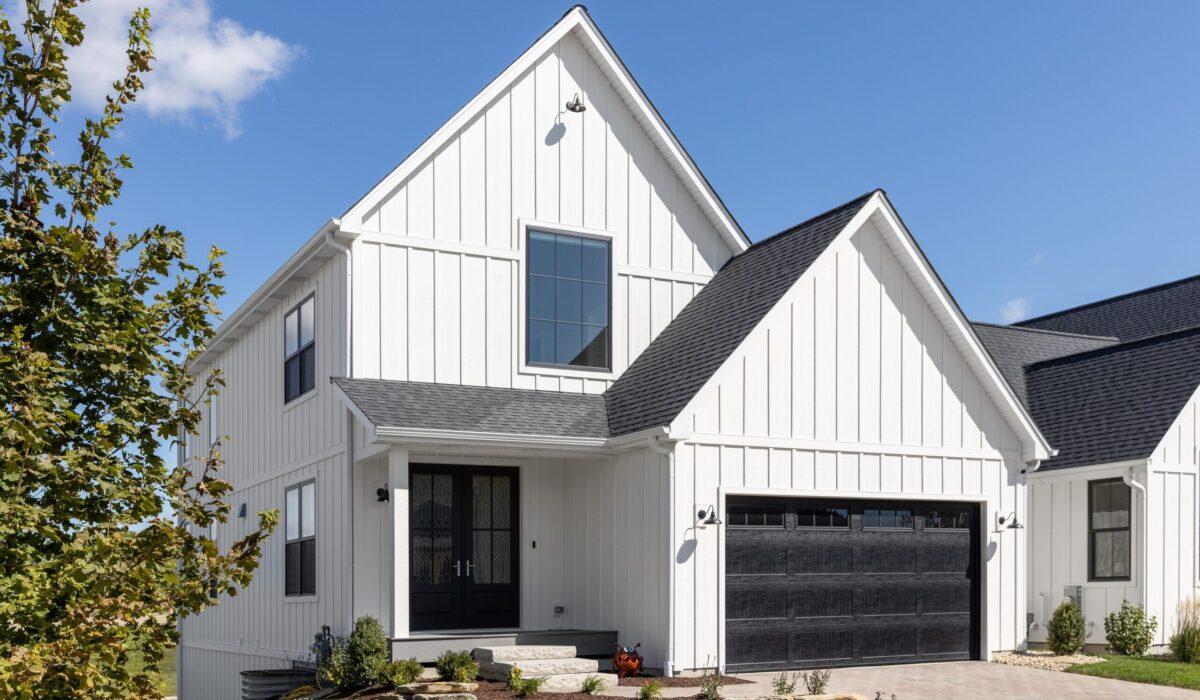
[[840, 583]]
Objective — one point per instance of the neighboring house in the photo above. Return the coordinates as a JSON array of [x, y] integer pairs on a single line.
[[1112, 385], [536, 386]]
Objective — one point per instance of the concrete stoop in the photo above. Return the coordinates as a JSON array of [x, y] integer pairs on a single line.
[[563, 671]]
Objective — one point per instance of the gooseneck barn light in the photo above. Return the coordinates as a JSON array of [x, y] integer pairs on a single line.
[[576, 105]]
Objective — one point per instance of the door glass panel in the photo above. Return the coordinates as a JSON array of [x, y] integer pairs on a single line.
[[491, 540], [432, 499], [481, 495], [500, 492], [482, 546]]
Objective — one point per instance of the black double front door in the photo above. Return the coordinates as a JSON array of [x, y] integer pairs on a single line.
[[463, 549]]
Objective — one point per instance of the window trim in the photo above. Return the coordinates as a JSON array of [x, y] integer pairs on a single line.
[[616, 300], [1091, 531], [311, 296], [299, 486]]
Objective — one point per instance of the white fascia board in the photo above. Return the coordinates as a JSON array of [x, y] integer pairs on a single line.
[[1036, 447], [597, 46], [419, 436], [1091, 471], [317, 247]]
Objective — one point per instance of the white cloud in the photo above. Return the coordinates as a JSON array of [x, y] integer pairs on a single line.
[[205, 66], [1015, 310], [1037, 258]]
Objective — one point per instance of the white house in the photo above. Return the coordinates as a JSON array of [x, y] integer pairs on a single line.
[[537, 386]]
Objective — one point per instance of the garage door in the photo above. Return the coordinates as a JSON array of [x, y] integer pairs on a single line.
[[840, 583]]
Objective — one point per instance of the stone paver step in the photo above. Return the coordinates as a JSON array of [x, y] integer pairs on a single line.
[[522, 652], [532, 668], [573, 682]]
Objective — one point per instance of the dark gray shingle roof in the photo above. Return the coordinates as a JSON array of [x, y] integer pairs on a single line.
[[684, 356], [1146, 312], [1115, 403], [1013, 349], [475, 408]]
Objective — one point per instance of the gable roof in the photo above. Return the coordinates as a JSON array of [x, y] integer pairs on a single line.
[[1114, 403], [1013, 349], [577, 20], [385, 404], [1141, 314], [686, 354]]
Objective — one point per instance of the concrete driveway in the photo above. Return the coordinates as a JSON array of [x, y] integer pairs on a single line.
[[977, 680]]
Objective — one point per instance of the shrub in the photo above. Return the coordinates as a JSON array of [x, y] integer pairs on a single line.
[[524, 687], [366, 651], [592, 684], [1067, 629], [335, 669], [1128, 630], [1185, 643], [816, 680], [650, 690], [711, 683], [401, 672], [457, 666], [785, 684]]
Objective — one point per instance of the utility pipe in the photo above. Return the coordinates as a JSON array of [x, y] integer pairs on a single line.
[[669, 663]]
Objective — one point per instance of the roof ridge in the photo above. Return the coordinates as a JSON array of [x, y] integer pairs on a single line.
[[1125, 345], [1107, 300], [1047, 331], [796, 227]]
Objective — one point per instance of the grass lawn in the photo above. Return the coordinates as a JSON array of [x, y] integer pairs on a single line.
[[1159, 670], [167, 672]]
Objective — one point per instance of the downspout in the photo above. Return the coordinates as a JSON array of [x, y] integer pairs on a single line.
[[348, 368], [1145, 554], [669, 663]]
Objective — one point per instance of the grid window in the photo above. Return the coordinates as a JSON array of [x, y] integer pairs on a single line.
[[888, 518], [817, 516], [568, 301], [756, 515], [1108, 530], [300, 535], [947, 518], [299, 351]]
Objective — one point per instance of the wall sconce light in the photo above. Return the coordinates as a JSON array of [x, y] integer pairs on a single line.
[[707, 515], [576, 105], [1008, 522], [381, 494]]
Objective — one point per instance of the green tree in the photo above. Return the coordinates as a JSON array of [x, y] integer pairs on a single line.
[[97, 329]]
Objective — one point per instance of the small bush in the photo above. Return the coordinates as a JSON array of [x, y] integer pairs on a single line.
[[401, 672], [1185, 643], [592, 684], [1067, 629], [524, 687], [650, 690], [1128, 630], [335, 670], [711, 683], [785, 683], [366, 651], [816, 680], [457, 666]]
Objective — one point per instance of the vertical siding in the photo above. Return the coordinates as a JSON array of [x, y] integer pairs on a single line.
[[208, 674], [435, 294]]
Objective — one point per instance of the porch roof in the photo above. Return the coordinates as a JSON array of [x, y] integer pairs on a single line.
[[475, 409]]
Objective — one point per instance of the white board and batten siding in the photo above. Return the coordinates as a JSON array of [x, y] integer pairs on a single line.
[[439, 261], [850, 386], [267, 447]]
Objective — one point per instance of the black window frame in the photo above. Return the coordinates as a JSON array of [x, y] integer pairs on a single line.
[[912, 518], [844, 509], [1093, 531], [961, 509], [303, 547], [304, 356], [528, 320], [762, 509]]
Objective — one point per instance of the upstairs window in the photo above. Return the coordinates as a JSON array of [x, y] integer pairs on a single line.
[[299, 351], [300, 535], [568, 301], [1108, 530]]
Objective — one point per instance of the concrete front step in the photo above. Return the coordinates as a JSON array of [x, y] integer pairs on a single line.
[[521, 652], [573, 682], [535, 668]]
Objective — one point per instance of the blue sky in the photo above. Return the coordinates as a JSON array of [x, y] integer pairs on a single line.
[[1046, 152]]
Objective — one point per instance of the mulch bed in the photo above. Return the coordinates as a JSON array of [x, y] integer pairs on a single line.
[[498, 690], [678, 681]]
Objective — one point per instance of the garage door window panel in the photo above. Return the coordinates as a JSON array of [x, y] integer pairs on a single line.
[[755, 515], [887, 519], [823, 517]]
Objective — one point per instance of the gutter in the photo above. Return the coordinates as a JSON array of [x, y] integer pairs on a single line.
[[1145, 554], [669, 662]]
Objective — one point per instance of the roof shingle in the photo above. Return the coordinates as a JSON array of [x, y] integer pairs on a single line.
[[1141, 314], [1013, 349]]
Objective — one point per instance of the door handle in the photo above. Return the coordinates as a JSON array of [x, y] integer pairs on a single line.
[[458, 568], [469, 567]]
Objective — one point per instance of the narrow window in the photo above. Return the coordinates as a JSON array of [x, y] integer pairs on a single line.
[[213, 436], [820, 516], [568, 301], [888, 518], [756, 515], [947, 518], [1108, 530], [299, 351], [300, 546]]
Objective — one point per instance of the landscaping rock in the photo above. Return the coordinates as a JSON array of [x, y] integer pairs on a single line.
[[437, 688], [448, 696], [1046, 660]]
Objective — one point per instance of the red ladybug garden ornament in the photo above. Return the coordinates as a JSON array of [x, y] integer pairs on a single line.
[[627, 661]]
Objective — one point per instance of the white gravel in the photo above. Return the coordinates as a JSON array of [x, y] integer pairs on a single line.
[[1043, 659]]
